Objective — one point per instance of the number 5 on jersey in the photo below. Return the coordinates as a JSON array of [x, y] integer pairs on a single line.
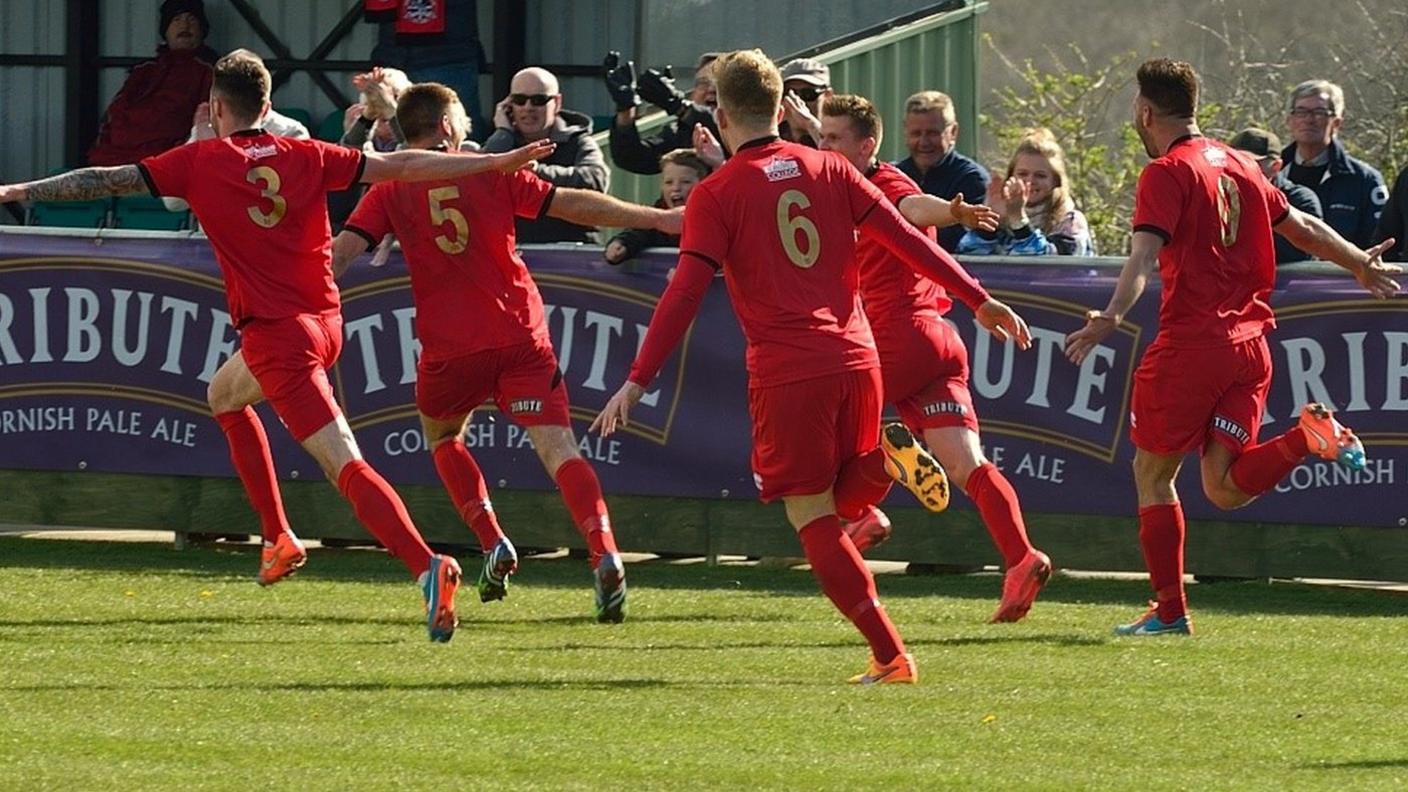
[[441, 214], [788, 227]]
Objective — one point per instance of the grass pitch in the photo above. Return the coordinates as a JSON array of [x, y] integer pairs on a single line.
[[132, 666]]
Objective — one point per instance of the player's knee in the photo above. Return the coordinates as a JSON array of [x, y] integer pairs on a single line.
[[1225, 497]]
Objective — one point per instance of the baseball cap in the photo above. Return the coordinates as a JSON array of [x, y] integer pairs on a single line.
[[1260, 142], [808, 70]]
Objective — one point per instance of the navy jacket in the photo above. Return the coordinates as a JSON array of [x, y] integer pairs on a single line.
[[1304, 199], [1394, 221], [1351, 193], [948, 177]]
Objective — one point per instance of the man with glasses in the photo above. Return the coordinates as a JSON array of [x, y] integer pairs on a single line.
[[642, 155], [931, 134], [806, 84], [1266, 148], [533, 111], [1351, 192]]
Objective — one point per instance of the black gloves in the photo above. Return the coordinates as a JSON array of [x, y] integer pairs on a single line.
[[621, 81], [658, 88]]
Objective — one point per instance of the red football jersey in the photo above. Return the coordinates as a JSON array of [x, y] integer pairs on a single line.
[[262, 202], [889, 288], [471, 288], [1214, 210], [780, 219]]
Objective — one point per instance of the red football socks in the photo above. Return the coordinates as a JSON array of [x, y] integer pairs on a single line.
[[847, 582], [1161, 532], [862, 482], [249, 450], [470, 494], [1260, 467], [997, 502], [581, 491], [380, 509]]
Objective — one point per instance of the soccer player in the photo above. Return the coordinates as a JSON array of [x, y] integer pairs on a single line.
[[1204, 215], [483, 334], [262, 203], [780, 219], [923, 363]]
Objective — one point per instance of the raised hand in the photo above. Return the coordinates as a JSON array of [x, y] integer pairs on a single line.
[[621, 81], [1014, 193], [657, 86], [1375, 275], [616, 413], [997, 318], [1098, 326], [996, 197], [707, 147], [975, 216], [200, 122], [510, 161]]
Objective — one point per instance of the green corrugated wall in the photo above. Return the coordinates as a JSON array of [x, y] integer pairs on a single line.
[[939, 53]]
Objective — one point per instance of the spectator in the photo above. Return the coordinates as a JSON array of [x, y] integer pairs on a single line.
[[642, 155], [1394, 220], [371, 123], [152, 111], [533, 111], [448, 53], [680, 170], [1351, 192], [1039, 216], [930, 134], [806, 83], [1266, 147]]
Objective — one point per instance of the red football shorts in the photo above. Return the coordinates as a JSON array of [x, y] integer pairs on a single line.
[[804, 431], [924, 366], [290, 358], [1186, 398], [523, 380]]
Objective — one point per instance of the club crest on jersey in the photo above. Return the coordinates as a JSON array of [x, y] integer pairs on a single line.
[[521, 406], [419, 11], [1215, 156], [781, 169], [261, 151]]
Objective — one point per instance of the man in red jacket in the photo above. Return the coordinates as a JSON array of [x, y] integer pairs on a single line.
[[152, 111]]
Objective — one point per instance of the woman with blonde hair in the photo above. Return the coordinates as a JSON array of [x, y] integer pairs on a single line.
[[1039, 216]]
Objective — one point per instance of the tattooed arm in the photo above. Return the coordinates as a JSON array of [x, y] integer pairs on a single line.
[[83, 184]]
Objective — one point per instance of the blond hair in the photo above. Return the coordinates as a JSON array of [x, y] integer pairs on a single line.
[[1059, 203], [931, 102], [749, 87]]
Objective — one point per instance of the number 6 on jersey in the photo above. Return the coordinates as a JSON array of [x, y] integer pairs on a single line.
[[788, 227]]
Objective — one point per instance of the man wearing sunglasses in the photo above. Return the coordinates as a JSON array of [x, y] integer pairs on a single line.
[[806, 84], [533, 111], [1351, 191]]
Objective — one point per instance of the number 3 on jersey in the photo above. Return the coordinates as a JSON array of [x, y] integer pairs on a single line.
[[270, 177], [440, 215], [788, 227]]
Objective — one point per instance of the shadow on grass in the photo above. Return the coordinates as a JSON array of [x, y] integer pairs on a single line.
[[716, 646], [1360, 764], [358, 687], [375, 567]]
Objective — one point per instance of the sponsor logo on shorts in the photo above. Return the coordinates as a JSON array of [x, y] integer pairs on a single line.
[[945, 408], [1230, 427], [782, 169], [528, 406]]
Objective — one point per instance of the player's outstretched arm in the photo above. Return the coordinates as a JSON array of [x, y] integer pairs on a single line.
[[83, 184], [1143, 260], [414, 166], [1314, 236], [592, 208], [928, 210], [346, 247], [673, 315], [884, 225]]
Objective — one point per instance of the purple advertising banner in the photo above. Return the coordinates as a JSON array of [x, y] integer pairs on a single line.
[[106, 351]]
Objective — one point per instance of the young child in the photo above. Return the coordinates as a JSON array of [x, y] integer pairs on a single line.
[[680, 170]]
